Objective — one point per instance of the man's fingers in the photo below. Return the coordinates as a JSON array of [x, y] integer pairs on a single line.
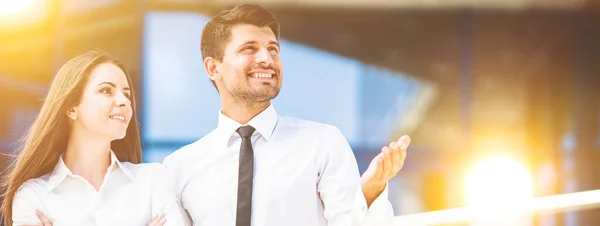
[[387, 163], [378, 166], [380, 169], [404, 141], [402, 153], [396, 156], [393, 146]]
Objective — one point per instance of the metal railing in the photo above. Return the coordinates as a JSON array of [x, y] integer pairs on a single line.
[[549, 204]]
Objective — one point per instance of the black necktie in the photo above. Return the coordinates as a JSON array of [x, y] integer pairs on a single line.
[[246, 171]]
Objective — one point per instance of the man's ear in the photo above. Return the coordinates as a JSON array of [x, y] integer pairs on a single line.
[[211, 65]]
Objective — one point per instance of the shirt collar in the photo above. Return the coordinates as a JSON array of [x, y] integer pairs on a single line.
[[61, 170], [264, 123], [114, 162]]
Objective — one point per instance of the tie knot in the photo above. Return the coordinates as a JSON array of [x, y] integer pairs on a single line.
[[245, 131]]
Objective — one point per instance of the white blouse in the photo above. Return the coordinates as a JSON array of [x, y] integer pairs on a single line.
[[131, 195]]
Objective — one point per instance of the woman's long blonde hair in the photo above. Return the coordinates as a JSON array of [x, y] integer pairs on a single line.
[[47, 138]]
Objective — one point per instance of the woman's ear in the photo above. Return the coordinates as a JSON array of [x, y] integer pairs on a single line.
[[71, 113]]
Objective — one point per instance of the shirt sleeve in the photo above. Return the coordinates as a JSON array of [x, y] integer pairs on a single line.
[[164, 198], [24, 204], [380, 210], [172, 168], [339, 186]]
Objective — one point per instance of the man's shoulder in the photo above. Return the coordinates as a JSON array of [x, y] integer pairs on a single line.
[[321, 135], [191, 149], [305, 124]]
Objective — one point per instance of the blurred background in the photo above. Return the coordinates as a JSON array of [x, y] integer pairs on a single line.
[[500, 97]]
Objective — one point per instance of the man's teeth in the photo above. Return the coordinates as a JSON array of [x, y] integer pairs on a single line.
[[261, 75], [120, 117]]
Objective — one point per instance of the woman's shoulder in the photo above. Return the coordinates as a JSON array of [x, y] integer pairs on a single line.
[[35, 185]]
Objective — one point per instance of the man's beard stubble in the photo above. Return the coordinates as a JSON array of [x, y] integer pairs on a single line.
[[249, 96], [252, 97]]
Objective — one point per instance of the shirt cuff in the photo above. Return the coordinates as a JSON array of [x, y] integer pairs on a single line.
[[380, 210]]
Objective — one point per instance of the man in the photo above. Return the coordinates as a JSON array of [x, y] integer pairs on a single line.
[[264, 169]]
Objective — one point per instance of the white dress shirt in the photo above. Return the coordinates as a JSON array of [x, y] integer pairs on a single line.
[[130, 195], [304, 174]]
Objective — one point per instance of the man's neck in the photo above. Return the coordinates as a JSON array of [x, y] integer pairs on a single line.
[[243, 112]]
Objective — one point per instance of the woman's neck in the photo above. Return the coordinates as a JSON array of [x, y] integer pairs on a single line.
[[88, 158]]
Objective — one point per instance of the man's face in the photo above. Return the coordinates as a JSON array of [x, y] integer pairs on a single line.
[[251, 68]]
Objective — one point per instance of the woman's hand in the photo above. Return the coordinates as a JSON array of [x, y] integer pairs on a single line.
[[45, 221], [156, 221]]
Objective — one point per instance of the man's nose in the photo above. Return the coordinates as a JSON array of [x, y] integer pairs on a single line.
[[263, 57]]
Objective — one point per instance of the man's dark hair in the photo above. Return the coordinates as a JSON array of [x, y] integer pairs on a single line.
[[217, 32]]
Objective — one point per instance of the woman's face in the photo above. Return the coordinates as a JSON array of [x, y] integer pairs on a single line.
[[105, 106]]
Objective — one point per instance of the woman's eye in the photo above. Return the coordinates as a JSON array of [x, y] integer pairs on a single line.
[[105, 91]]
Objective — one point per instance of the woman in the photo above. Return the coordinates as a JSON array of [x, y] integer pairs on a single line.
[[80, 164]]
